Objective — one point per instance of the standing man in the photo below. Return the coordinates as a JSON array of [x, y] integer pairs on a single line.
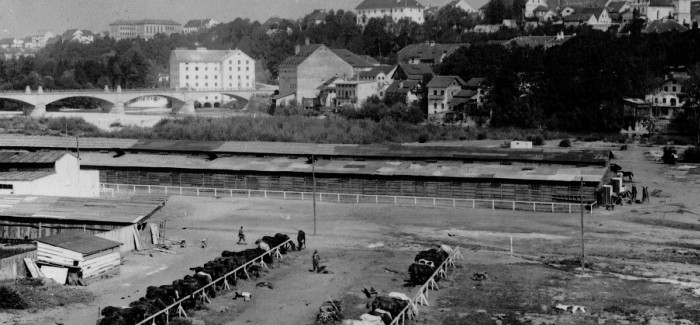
[[241, 236], [316, 260], [301, 239], [634, 193]]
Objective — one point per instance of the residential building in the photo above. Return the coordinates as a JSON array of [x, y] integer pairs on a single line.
[[412, 72], [316, 17], [543, 13], [441, 90], [300, 75], [6, 43], [682, 11], [203, 69], [653, 9], [616, 9], [464, 5], [637, 117], [353, 93], [145, 28], [595, 17], [429, 53], [406, 91], [196, 24], [381, 75], [532, 5], [695, 12], [328, 92], [663, 26], [664, 99], [395, 9], [79, 36]]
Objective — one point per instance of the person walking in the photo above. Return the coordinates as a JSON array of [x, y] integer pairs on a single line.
[[301, 239], [241, 236], [316, 259]]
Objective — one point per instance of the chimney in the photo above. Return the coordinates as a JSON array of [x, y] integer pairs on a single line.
[[297, 49], [307, 41]]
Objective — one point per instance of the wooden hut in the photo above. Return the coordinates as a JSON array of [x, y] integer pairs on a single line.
[[85, 256]]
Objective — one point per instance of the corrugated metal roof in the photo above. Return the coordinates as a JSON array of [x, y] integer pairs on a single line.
[[122, 211], [24, 175], [79, 242], [453, 169], [21, 157]]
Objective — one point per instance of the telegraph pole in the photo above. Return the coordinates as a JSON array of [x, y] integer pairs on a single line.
[[583, 250], [313, 176]]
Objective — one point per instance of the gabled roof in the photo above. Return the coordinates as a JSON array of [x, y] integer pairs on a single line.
[[79, 242], [663, 26], [317, 15], [351, 58], [660, 3], [616, 6], [304, 52], [445, 81], [402, 87], [202, 55], [39, 157], [370, 60], [465, 93], [561, 4], [597, 11], [541, 8], [428, 51], [197, 23], [475, 82], [383, 4], [377, 70], [273, 21], [577, 17], [415, 71]]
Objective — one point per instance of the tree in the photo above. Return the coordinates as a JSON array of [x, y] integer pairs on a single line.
[[688, 120], [496, 11]]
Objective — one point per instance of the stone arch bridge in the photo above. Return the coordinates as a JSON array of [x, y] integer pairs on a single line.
[[35, 102]]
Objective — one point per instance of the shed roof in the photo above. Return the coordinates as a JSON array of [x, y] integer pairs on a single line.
[[22, 157], [79, 242], [23, 175], [616, 6], [383, 4], [98, 210]]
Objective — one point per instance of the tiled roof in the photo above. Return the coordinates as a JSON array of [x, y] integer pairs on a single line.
[[377, 70], [465, 93], [197, 23], [426, 51], [578, 17], [40, 157], [144, 22], [444, 81], [416, 71], [202, 55], [546, 41], [663, 26], [660, 3], [475, 82], [79, 242], [369, 59], [541, 8], [396, 86], [615, 6], [304, 53], [383, 4], [351, 58]]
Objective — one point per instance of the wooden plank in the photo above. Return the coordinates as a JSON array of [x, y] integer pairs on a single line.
[[33, 269], [137, 242], [154, 233]]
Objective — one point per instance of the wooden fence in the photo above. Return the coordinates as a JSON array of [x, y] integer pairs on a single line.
[[493, 204], [13, 267], [421, 297], [201, 292]]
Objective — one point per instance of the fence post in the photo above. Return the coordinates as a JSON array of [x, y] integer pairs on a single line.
[[473, 204], [415, 201], [248, 193], [493, 205], [376, 199], [534, 209], [215, 193], [197, 191], [394, 199], [180, 190], [117, 188], [134, 189], [166, 190], [149, 189], [358, 198], [454, 203], [433, 201], [552, 207], [338, 197], [231, 193], [284, 195], [265, 193], [302, 196], [513, 205], [569, 208]]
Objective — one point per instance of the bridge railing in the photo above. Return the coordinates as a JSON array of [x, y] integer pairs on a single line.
[[201, 292]]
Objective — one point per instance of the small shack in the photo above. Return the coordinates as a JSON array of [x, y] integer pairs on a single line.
[[80, 257]]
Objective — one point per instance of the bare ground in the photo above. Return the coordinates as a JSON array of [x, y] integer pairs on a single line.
[[644, 259]]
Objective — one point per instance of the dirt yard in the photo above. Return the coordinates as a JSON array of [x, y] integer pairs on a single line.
[[645, 259]]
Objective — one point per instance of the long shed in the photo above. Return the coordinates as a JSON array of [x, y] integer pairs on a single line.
[[90, 256]]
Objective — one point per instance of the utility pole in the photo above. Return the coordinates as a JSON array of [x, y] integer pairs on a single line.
[[583, 250], [77, 146], [313, 176]]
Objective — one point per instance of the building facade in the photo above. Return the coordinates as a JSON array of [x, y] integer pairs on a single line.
[[197, 24], [395, 9], [441, 90], [145, 28], [301, 74], [353, 93], [203, 69]]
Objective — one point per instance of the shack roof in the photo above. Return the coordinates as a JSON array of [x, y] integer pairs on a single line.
[[22, 157], [378, 151], [79, 242], [122, 211], [449, 169]]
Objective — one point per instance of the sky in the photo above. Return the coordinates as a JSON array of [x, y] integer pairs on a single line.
[[20, 18]]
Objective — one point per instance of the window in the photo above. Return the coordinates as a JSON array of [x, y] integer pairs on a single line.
[[435, 105], [206, 77], [664, 100], [196, 68], [442, 92], [216, 77], [247, 77], [230, 77], [435, 92], [248, 69], [206, 84], [674, 89], [230, 62], [665, 88], [239, 68], [239, 77], [187, 69], [6, 186], [230, 69], [196, 76], [187, 77], [239, 61]]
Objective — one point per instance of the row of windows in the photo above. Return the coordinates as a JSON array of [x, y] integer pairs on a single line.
[[206, 84], [216, 69], [215, 77], [362, 12]]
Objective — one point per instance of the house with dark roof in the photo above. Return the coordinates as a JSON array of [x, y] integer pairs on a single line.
[[441, 90], [394, 9], [653, 9], [316, 17], [406, 91], [46, 173], [6, 43], [197, 24], [301, 74], [664, 26], [357, 62], [412, 72], [597, 18], [429, 53]]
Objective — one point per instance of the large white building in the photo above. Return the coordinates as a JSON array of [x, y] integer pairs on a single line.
[[396, 9], [144, 28], [215, 70]]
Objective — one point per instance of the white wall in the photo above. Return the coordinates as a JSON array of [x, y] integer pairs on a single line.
[[68, 180]]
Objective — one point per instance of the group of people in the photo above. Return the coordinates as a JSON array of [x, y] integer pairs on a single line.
[[645, 194], [301, 241]]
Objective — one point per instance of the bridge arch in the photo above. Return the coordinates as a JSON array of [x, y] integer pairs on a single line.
[[175, 100], [105, 102]]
